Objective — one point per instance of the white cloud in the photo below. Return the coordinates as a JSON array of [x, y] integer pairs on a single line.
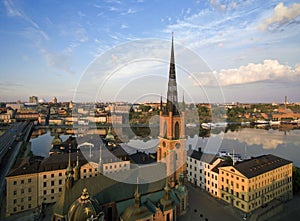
[[269, 70], [123, 26], [281, 15], [14, 11], [60, 61]]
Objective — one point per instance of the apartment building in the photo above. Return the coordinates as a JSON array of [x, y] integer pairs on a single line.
[[253, 183], [198, 165], [36, 181]]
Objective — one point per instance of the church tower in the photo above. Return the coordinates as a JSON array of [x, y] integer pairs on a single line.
[[69, 173], [171, 148]]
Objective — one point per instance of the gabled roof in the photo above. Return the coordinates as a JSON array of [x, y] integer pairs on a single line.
[[201, 156], [223, 163]]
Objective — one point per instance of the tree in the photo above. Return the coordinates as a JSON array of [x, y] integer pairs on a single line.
[[296, 179]]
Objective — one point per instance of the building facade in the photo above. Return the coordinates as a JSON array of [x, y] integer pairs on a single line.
[[198, 165], [253, 183]]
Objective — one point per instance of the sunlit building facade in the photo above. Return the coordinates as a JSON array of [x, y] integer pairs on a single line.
[[253, 183]]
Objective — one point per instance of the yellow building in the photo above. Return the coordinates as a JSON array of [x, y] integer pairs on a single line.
[[211, 177], [36, 181], [253, 183]]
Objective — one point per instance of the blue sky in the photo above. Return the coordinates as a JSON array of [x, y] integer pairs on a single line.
[[251, 48]]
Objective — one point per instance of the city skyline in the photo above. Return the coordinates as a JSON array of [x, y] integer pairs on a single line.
[[249, 48]]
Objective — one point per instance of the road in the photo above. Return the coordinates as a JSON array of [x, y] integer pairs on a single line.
[[204, 207], [13, 150], [7, 139]]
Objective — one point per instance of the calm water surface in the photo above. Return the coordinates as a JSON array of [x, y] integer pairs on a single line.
[[245, 141]]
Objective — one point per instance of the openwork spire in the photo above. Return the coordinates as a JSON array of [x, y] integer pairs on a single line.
[[172, 97]]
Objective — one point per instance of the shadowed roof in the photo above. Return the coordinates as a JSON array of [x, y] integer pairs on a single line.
[[259, 165]]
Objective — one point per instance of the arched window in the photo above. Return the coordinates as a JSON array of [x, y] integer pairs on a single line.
[[176, 130]]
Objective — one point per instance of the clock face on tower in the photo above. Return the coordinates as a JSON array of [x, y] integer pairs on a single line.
[[177, 145]]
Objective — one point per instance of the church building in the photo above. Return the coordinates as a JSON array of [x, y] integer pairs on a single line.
[[103, 198]]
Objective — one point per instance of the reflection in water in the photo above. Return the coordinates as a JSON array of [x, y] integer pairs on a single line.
[[249, 142]]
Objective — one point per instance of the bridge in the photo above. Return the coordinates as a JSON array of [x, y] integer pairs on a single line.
[[10, 144]]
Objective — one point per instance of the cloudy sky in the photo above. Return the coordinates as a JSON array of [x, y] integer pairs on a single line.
[[250, 48]]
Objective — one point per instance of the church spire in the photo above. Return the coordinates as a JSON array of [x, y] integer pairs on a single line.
[[172, 97], [69, 173], [137, 195], [77, 169], [100, 169]]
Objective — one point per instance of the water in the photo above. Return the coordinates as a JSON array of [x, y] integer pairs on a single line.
[[41, 145], [245, 141]]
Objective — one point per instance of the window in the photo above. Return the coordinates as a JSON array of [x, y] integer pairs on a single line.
[[237, 185], [45, 192], [52, 183], [91, 169], [22, 191], [59, 182], [15, 209], [243, 188], [22, 200], [243, 197], [222, 179], [22, 181], [45, 184], [45, 176], [29, 180], [59, 189], [52, 175], [29, 190], [15, 201], [29, 198], [15, 192], [29, 206], [52, 190], [60, 174], [15, 182], [84, 170]]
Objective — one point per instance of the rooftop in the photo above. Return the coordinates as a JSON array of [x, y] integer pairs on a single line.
[[259, 165]]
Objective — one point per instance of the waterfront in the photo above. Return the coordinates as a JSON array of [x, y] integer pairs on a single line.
[[245, 141]]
